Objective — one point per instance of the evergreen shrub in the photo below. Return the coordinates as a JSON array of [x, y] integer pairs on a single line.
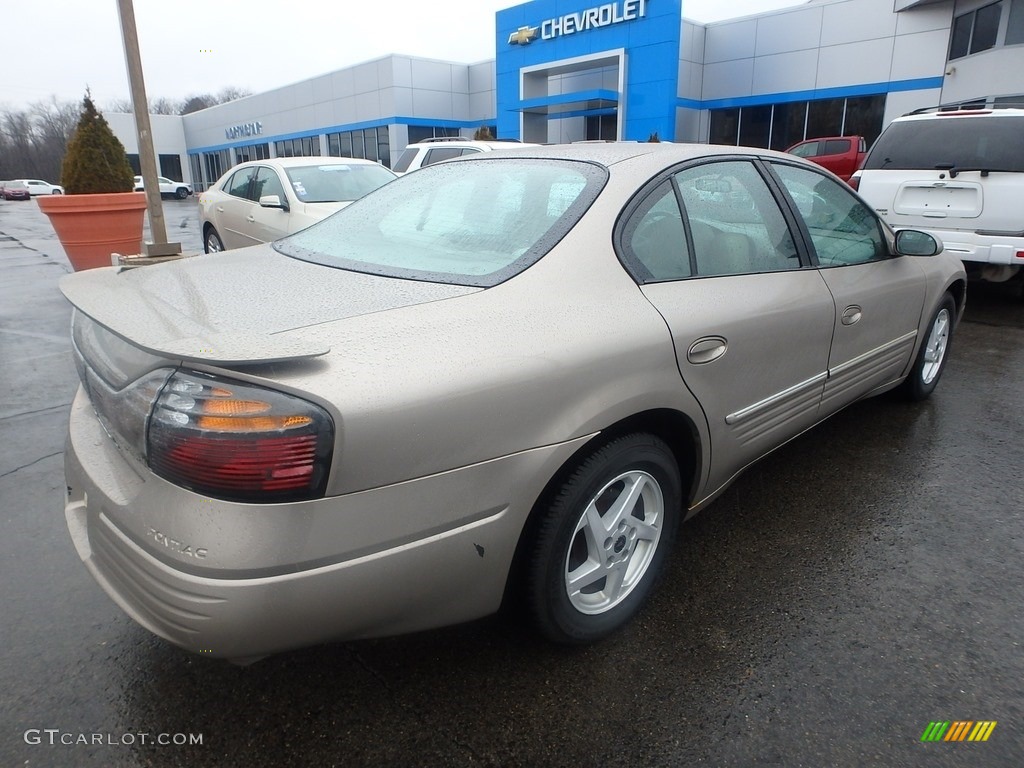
[[96, 161]]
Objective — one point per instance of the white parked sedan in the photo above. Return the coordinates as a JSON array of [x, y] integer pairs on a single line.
[[178, 189], [40, 187], [264, 200]]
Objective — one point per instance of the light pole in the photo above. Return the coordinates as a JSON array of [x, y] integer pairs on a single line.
[[147, 157]]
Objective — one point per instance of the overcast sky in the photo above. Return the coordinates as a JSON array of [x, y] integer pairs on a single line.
[[58, 47]]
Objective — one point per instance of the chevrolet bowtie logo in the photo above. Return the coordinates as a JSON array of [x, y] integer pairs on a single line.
[[523, 35]]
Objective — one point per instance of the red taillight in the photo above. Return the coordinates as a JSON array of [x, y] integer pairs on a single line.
[[1019, 255], [239, 442]]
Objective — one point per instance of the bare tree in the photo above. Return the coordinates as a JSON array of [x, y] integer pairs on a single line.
[[119, 105], [231, 93], [19, 155], [207, 100], [161, 106], [33, 141], [188, 105]]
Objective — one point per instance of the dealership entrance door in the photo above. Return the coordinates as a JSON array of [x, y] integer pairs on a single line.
[[575, 99]]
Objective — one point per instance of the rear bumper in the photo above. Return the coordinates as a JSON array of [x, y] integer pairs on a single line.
[[984, 249], [240, 581]]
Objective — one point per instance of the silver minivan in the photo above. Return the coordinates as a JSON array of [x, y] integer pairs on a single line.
[[957, 174]]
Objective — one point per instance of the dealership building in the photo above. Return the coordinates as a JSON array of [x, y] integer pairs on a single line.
[[574, 70]]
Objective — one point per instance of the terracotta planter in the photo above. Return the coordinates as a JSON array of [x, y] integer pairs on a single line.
[[91, 227]]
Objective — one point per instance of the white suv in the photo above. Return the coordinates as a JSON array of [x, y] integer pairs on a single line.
[[959, 175], [430, 151]]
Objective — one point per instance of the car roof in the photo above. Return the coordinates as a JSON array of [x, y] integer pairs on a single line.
[[961, 114], [654, 154], [459, 141], [291, 162]]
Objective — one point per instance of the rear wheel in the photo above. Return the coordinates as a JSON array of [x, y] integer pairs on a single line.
[[603, 539], [212, 242], [934, 351]]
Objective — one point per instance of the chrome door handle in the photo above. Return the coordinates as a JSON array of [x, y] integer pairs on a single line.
[[706, 350], [852, 314], [250, 218]]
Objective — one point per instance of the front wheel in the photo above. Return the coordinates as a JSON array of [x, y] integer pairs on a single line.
[[934, 351], [212, 243], [601, 542], [181, 193]]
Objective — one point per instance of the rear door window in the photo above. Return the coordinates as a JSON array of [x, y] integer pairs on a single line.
[[238, 184], [735, 223], [836, 147]]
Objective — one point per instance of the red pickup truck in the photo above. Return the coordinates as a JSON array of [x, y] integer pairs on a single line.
[[840, 154]]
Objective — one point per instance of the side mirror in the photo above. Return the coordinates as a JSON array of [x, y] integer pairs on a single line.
[[910, 242], [273, 201]]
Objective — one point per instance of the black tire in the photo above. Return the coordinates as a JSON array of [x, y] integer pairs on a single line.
[[632, 551], [934, 352], [56, 192], [212, 242], [181, 193]]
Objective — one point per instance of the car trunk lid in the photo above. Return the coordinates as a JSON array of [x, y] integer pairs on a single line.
[[237, 307]]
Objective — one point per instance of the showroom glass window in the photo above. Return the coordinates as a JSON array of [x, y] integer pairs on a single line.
[[307, 146], [780, 126]]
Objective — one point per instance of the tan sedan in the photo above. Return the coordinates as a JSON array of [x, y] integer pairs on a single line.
[[514, 374], [264, 200]]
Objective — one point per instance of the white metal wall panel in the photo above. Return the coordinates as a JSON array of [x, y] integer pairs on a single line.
[[920, 55], [785, 32], [786, 72], [851, 22], [865, 62], [728, 79], [727, 42]]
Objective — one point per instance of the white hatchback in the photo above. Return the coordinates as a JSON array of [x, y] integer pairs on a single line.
[[957, 174], [264, 200]]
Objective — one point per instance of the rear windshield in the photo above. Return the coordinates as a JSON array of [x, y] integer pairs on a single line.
[[980, 143], [473, 222]]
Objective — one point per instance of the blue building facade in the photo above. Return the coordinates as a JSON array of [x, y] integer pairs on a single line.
[[594, 70], [575, 70]]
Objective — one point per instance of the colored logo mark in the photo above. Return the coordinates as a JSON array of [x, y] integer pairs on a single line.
[[523, 35], [959, 730]]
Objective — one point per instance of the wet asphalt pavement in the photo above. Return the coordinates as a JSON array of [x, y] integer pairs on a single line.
[[854, 586]]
